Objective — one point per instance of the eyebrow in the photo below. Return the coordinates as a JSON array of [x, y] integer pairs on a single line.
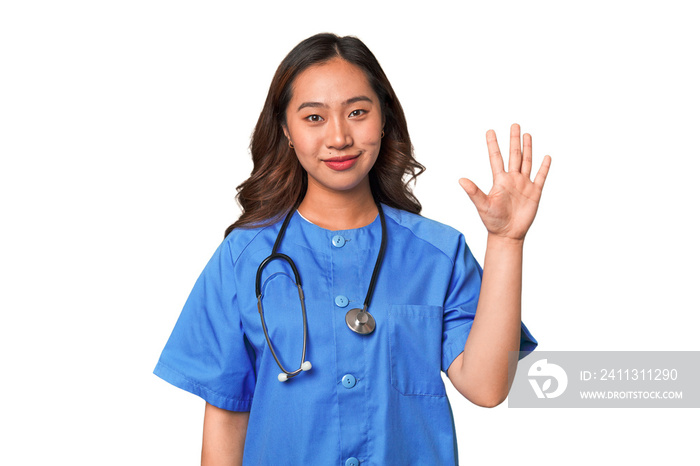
[[352, 100]]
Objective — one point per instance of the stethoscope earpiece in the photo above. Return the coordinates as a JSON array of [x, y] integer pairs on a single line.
[[284, 376]]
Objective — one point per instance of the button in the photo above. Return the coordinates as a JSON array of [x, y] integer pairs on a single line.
[[349, 381], [352, 461], [338, 241], [341, 301]]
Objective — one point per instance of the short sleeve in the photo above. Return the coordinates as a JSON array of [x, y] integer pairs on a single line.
[[460, 307], [207, 353]]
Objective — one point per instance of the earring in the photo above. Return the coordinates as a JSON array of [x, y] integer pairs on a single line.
[[382, 136], [291, 146]]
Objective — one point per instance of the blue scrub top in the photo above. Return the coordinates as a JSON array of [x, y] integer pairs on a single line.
[[372, 399]]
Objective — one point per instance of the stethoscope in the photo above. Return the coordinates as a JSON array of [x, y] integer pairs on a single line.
[[358, 320]]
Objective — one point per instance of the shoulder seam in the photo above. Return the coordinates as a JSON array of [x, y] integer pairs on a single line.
[[234, 260], [451, 259]]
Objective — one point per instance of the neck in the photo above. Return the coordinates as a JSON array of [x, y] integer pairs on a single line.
[[335, 210]]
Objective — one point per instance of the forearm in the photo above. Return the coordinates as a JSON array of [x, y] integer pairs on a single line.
[[485, 371], [224, 436]]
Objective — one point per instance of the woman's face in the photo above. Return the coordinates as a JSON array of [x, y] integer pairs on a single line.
[[335, 122]]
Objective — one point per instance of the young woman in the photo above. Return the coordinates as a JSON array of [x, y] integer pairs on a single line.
[[347, 371]]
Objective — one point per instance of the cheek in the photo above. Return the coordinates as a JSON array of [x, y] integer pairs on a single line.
[[305, 141], [372, 141], [370, 135]]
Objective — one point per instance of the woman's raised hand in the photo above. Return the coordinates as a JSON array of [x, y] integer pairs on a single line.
[[511, 205]]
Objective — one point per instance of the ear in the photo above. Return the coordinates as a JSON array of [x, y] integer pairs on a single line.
[[286, 132]]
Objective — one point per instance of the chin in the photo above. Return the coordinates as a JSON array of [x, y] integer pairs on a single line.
[[343, 187]]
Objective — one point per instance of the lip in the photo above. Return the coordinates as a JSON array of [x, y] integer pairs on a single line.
[[342, 162]]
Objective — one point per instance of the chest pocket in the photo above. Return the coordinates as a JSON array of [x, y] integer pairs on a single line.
[[415, 349]]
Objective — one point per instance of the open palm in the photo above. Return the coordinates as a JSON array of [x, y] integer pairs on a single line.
[[511, 205]]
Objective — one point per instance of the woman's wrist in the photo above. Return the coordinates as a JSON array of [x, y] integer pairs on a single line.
[[504, 241]]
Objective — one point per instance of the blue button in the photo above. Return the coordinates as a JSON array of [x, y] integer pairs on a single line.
[[338, 241], [341, 301], [349, 381], [352, 461]]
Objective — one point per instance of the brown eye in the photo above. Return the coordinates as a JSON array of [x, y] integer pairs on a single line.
[[357, 113], [314, 118]]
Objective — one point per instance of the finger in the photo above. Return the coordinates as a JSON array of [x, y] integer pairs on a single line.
[[515, 158], [477, 196], [542, 172], [527, 155], [494, 153]]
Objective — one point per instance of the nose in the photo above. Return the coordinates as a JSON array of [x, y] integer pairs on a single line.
[[338, 135]]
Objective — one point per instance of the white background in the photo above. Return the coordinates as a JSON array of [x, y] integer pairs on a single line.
[[124, 129]]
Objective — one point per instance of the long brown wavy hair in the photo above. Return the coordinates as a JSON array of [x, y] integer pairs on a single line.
[[278, 182]]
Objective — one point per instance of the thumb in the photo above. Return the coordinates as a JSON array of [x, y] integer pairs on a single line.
[[475, 194]]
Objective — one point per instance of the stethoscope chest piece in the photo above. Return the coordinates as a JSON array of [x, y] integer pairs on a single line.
[[360, 321]]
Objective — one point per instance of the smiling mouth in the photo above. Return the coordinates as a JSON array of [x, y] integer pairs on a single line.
[[342, 158], [342, 162]]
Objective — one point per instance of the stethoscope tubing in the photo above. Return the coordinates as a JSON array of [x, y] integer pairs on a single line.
[[306, 365], [290, 374], [297, 280], [378, 262]]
